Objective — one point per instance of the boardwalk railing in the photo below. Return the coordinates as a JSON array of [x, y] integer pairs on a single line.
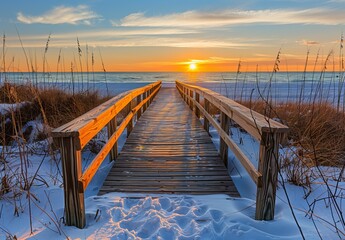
[[73, 137], [267, 131]]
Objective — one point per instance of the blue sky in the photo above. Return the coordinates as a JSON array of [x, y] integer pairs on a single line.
[[167, 35]]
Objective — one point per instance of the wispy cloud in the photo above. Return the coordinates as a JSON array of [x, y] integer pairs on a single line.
[[143, 37], [107, 33], [210, 60], [62, 15], [230, 17], [137, 41], [336, 1], [308, 42]]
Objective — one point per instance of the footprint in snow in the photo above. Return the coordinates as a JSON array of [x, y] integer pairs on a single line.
[[165, 203], [200, 210], [182, 210], [150, 227], [218, 227], [117, 214], [182, 221], [216, 215], [167, 234], [129, 203]]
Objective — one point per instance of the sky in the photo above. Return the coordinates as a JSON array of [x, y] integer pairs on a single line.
[[156, 35]]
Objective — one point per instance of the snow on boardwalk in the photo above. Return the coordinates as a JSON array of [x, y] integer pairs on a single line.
[[169, 152]]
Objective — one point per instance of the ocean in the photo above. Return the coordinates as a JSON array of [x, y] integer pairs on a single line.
[[280, 86]]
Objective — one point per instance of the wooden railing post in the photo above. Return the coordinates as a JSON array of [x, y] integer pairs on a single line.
[[130, 123], [268, 167], [191, 104], [145, 105], [139, 111], [207, 109], [73, 188], [151, 98], [223, 147], [197, 99], [112, 125], [185, 94]]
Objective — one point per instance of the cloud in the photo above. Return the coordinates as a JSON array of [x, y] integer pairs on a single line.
[[308, 42], [336, 1], [210, 60], [134, 41], [231, 17], [142, 37], [62, 15]]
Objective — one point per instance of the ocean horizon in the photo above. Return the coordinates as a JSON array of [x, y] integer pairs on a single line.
[[280, 86]]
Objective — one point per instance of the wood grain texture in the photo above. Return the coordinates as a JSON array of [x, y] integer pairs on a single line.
[[247, 164], [168, 151], [223, 147], [111, 128], [89, 124], [73, 136], [254, 123], [108, 147], [268, 166], [268, 132], [73, 190]]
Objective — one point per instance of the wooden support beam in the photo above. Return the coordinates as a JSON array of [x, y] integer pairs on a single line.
[[91, 170], [139, 110], [223, 147], [145, 105], [206, 122], [73, 188], [268, 167], [253, 122], [89, 124], [197, 99], [247, 164], [130, 124], [191, 94], [185, 91], [151, 98], [111, 127]]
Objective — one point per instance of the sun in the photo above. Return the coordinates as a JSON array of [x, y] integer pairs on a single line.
[[192, 66]]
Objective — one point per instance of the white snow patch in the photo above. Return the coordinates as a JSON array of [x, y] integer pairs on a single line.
[[10, 107]]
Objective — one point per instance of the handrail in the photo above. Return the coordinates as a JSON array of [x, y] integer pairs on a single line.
[[268, 132], [72, 137]]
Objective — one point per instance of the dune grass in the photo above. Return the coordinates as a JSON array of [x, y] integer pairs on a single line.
[[317, 130], [53, 106]]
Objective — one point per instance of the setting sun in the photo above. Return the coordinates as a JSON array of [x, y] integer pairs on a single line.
[[192, 67]]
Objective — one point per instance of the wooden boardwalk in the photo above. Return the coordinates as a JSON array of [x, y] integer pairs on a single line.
[[168, 151]]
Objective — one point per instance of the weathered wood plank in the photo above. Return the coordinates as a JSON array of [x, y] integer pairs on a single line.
[[247, 164], [223, 147], [175, 184], [168, 151], [73, 189], [97, 161], [89, 124], [253, 122], [267, 131], [111, 128], [268, 166], [167, 178], [73, 136]]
